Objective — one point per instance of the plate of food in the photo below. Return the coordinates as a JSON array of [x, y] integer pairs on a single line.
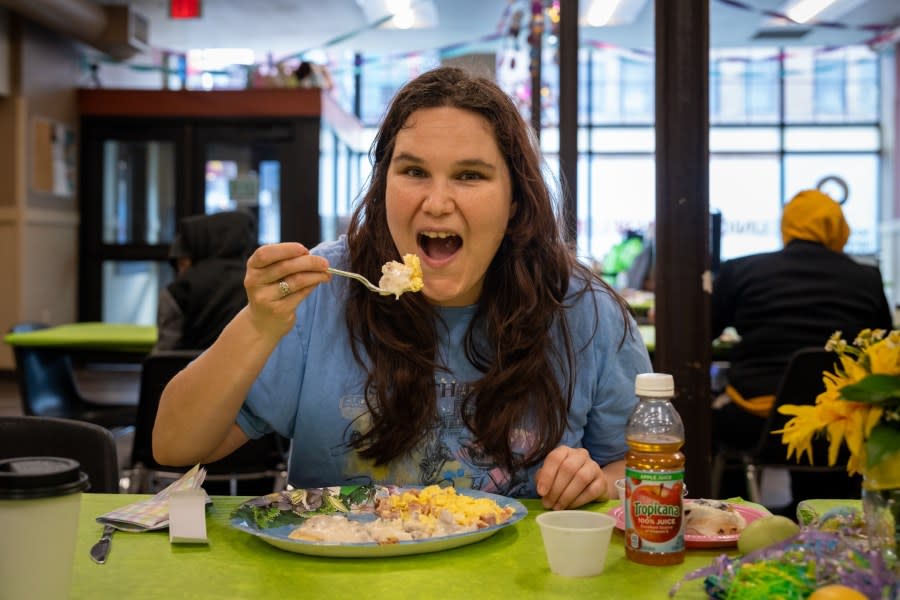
[[375, 520], [708, 523]]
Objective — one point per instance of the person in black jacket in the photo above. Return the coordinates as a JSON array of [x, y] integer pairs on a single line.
[[209, 254], [782, 301]]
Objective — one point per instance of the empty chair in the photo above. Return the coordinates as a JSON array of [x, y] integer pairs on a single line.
[[800, 384], [94, 447], [48, 388], [261, 461]]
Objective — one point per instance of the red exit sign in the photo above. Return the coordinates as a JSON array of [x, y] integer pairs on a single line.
[[185, 9]]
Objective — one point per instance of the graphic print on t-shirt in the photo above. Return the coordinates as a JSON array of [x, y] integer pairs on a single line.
[[445, 453]]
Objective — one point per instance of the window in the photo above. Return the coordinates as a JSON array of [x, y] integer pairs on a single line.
[[621, 196], [744, 85], [862, 86], [764, 147], [138, 192], [747, 191], [761, 85], [637, 90], [829, 80], [836, 86], [382, 78], [860, 171]]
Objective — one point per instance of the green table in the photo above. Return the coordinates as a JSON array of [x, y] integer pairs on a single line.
[[648, 333], [720, 349], [109, 341], [509, 565]]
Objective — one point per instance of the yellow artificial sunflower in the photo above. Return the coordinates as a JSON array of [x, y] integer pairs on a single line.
[[861, 396]]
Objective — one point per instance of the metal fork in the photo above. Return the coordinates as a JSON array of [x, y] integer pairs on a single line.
[[359, 278]]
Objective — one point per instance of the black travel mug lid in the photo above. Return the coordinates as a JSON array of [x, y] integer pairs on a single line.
[[40, 477]]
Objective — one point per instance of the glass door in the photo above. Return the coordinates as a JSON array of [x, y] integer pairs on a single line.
[[140, 176], [130, 191], [245, 177], [257, 166]]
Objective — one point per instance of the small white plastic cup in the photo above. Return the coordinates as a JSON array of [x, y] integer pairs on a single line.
[[620, 487], [576, 541]]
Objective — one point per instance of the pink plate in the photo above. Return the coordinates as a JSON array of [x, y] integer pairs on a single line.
[[702, 541]]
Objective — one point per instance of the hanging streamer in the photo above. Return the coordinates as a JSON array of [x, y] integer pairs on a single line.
[[509, 27]]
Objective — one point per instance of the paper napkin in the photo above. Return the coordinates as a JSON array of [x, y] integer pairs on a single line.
[[153, 513]]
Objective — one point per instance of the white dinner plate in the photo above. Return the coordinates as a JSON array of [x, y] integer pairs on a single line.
[[276, 526]]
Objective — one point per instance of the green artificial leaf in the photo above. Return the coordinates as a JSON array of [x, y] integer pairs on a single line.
[[883, 441], [873, 389]]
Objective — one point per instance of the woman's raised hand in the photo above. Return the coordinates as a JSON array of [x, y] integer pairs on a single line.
[[279, 277]]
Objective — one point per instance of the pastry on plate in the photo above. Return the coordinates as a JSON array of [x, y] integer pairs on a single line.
[[712, 517]]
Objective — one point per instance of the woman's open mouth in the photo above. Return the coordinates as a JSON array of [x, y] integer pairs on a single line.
[[439, 246]]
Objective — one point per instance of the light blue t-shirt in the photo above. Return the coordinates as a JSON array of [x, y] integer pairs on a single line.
[[310, 391]]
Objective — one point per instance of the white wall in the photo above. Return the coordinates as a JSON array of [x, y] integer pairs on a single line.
[[38, 230]]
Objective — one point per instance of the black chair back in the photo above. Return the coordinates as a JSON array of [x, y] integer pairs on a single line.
[[800, 384], [94, 447], [261, 459], [48, 388], [45, 377]]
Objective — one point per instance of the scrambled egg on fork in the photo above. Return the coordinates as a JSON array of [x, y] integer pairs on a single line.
[[401, 277]]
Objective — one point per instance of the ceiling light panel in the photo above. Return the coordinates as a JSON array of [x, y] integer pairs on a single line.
[[603, 13], [408, 14]]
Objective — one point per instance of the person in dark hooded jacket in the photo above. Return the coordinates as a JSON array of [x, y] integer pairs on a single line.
[[209, 254]]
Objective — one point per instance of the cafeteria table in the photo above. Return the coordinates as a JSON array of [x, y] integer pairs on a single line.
[[91, 341], [721, 348], [508, 565]]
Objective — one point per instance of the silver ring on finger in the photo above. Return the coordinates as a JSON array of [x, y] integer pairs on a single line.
[[284, 288]]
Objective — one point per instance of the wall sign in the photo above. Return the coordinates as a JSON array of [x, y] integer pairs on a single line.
[[53, 158]]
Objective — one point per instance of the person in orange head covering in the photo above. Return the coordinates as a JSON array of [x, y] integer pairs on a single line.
[[815, 217], [782, 301]]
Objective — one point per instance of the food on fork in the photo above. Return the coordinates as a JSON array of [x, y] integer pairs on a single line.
[[401, 277], [411, 515], [712, 517]]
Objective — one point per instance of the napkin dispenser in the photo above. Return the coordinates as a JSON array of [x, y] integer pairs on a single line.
[[187, 517]]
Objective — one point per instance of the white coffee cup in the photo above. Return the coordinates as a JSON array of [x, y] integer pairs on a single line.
[[40, 498], [576, 541], [620, 489]]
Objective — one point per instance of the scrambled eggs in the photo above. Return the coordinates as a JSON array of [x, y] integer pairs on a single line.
[[434, 504]]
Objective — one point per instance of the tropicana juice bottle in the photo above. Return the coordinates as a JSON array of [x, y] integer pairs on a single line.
[[654, 475]]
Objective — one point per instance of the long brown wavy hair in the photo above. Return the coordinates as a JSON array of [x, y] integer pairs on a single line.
[[527, 378]]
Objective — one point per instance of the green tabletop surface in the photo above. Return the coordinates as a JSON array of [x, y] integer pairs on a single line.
[[720, 348], [508, 565], [809, 511], [114, 337], [648, 333]]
